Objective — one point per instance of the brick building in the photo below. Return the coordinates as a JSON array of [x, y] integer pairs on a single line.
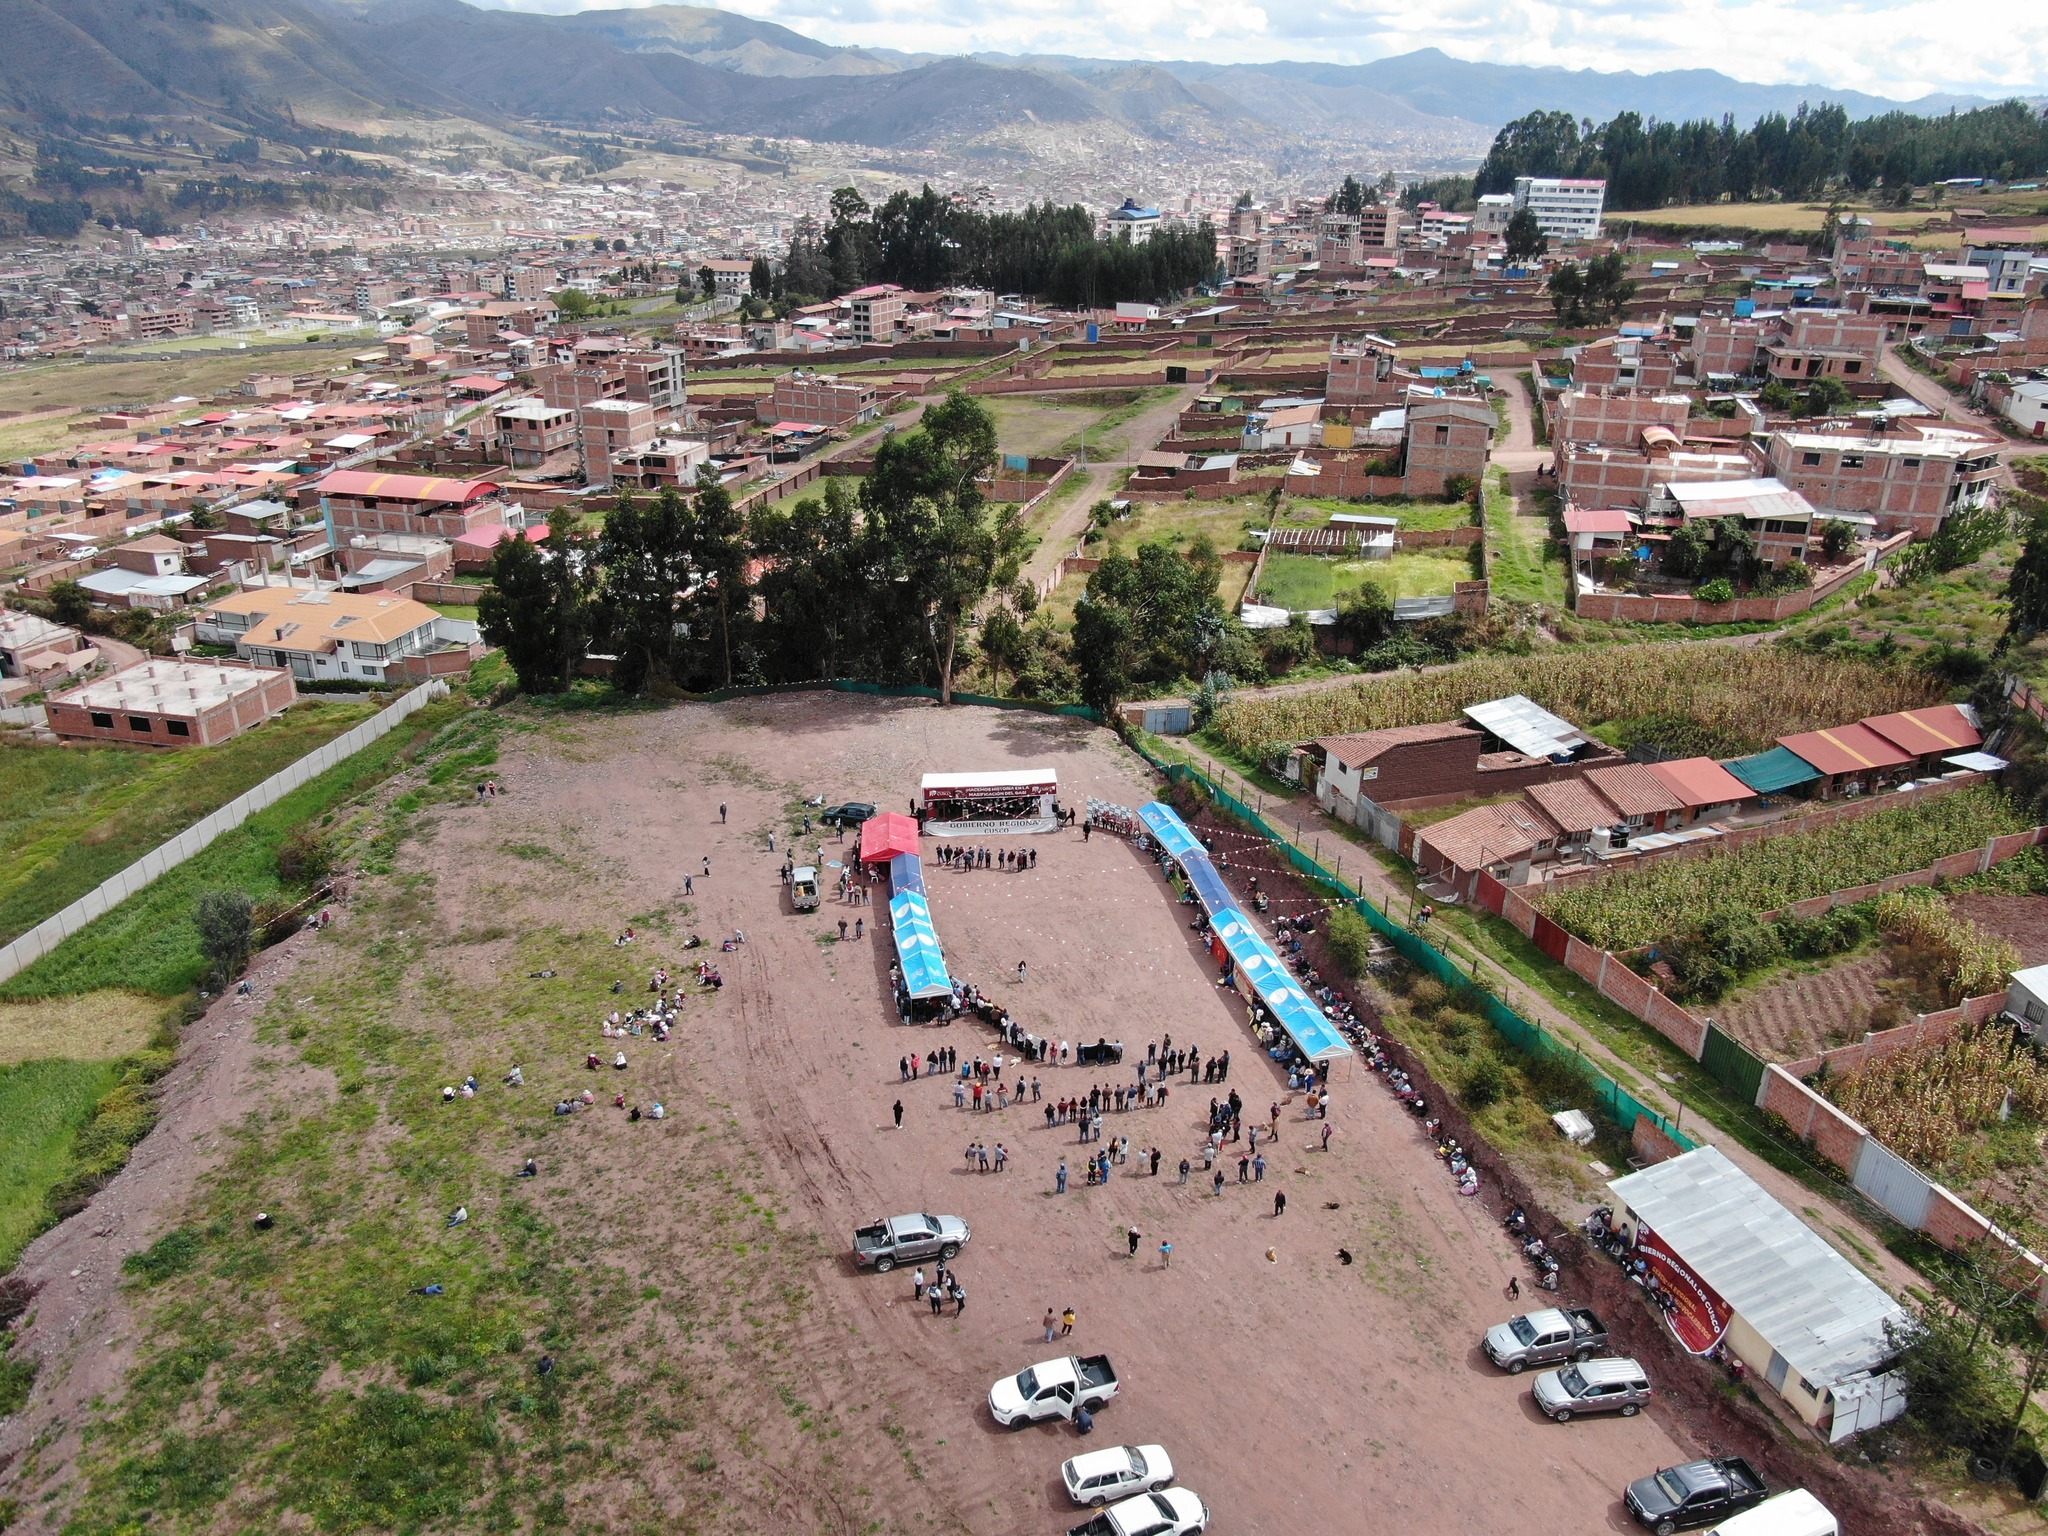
[[1910, 480], [1726, 346], [1598, 416], [666, 461], [1628, 362], [608, 428], [531, 431], [1364, 372], [656, 376], [165, 703], [819, 399], [1444, 438], [1604, 475], [875, 313], [369, 501], [1808, 344]]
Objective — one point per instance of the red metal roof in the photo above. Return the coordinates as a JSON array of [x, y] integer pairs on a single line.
[[1589, 520], [361, 482], [1845, 749], [1943, 728], [1700, 781]]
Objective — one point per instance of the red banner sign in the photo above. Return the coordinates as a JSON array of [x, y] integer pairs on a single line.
[[1697, 1314]]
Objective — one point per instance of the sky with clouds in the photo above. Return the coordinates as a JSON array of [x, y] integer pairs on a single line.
[[1899, 48]]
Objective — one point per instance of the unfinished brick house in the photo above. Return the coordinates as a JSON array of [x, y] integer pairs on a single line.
[[166, 703], [1620, 420], [1365, 371], [369, 501], [1909, 478], [818, 399], [1628, 362], [1445, 438], [1809, 344], [1603, 475]]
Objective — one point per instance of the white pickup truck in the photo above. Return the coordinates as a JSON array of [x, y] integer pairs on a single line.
[[1053, 1389]]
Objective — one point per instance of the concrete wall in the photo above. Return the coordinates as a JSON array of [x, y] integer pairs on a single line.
[[110, 893]]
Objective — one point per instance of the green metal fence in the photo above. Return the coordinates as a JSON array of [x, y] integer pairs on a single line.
[[1623, 1107]]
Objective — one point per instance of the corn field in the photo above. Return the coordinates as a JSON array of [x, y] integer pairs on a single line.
[[1922, 1101], [1750, 695], [1974, 963], [1658, 900]]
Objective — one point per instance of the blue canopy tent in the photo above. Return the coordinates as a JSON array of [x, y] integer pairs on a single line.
[[1293, 1009], [917, 947], [1172, 832], [906, 873]]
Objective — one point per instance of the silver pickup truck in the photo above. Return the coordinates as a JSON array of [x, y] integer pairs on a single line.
[[1544, 1338], [907, 1239]]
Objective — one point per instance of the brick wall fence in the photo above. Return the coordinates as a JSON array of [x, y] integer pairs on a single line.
[[1677, 609]]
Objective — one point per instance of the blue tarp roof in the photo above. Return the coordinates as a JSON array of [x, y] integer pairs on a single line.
[[1172, 832], [1293, 1009], [917, 946], [906, 873], [1769, 772]]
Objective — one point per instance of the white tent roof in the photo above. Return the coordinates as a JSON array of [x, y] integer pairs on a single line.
[[1001, 778], [1775, 1272]]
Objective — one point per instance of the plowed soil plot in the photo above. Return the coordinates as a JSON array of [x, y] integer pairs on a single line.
[[1294, 1393], [1800, 1016], [2021, 919]]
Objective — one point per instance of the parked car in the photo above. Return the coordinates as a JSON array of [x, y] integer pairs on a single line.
[[1593, 1386], [1792, 1513], [1544, 1338], [883, 1245], [851, 814], [1101, 1477], [803, 888], [1698, 1493], [1167, 1513], [1053, 1389]]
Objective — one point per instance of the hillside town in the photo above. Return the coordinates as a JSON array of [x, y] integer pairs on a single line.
[[516, 694]]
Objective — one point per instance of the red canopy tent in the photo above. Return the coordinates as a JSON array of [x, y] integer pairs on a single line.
[[884, 837]]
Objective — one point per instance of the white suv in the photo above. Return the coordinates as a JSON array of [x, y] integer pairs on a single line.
[[1102, 1476]]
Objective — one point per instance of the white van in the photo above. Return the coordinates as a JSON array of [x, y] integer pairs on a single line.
[[1797, 1513]]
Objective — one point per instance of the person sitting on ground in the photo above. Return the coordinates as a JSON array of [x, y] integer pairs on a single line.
[[516, 1078], [619, 1062]]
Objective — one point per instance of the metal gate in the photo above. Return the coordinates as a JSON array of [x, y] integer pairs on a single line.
[[1384, 826], [1892, 1183], [1864, 1402], [1728, 1063]]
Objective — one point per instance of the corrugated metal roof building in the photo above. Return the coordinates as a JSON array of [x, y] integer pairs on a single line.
[[1798, 1313]]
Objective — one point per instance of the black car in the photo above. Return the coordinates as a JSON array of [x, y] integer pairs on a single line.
[[1698, 1493], [851, 814]]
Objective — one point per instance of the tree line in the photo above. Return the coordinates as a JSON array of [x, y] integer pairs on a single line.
[[1652, 164], [930, 241], [687, 595]]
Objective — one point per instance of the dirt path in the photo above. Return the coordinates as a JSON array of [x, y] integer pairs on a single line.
[[1088, 484], [1310, 829]]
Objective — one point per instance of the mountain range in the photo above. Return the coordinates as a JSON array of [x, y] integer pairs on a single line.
[[362, 63]]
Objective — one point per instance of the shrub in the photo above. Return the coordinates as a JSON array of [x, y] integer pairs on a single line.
[[225, 923], [1740, 940], [1427, 996], [1348, 938], [305, 858], [1486, 1082], [1719, 590]]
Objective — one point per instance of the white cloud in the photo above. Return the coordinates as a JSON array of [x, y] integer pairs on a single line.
[[1900, 48]]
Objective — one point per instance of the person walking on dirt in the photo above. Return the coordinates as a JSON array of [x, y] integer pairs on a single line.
[[707, 867], [936, 1297], [1067, 1321], [1052, 1323], [917, 1282], [899, 1114], [1219, 1181], [1514, 1292], [1165, 1255], [1279, 1202], [1131, 1235], [1059, 1179], [721, 813], [1020, 970]]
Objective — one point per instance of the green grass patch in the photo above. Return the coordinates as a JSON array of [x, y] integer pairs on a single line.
[[43, 1107], [148, 943], [1523, 563], [1298, 582], [72, 817]]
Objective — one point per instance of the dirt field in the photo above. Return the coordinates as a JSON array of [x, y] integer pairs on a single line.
[[2023, 920], [723, 1366]]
